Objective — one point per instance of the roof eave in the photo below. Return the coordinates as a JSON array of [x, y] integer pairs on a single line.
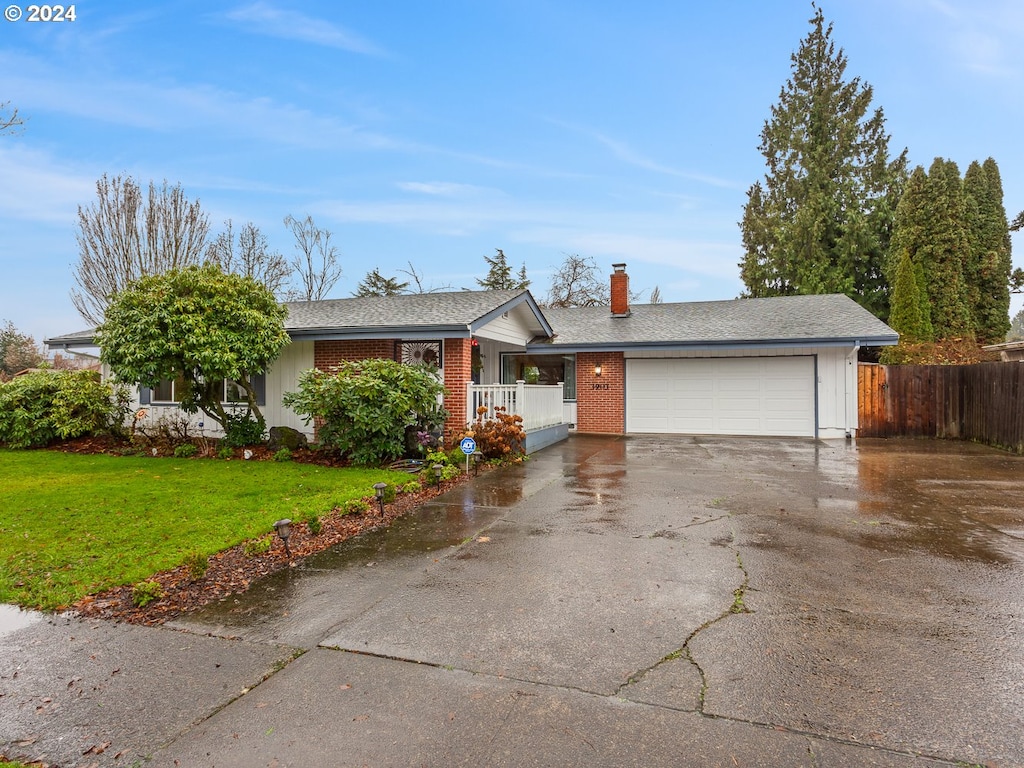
[[705, 345], [407, 332]]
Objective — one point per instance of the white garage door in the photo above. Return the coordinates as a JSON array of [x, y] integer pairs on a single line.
[[721, 396]]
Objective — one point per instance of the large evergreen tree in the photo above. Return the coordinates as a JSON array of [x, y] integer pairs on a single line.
[[987, 270], [499, 274], [376, 284], [821, 221]]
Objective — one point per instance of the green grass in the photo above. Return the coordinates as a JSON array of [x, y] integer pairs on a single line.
[[74, 525]]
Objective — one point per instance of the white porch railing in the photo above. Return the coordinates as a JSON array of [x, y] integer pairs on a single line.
[[540, 405]]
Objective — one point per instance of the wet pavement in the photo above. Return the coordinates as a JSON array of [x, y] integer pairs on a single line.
[[614, 601]]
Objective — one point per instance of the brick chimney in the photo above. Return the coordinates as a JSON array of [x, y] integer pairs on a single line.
[[620, 291]]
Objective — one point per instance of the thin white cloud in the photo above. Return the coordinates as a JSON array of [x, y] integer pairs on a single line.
[[214, 112], [629, 155], [700, 257], [439, 188], [983, 36], [266, 19], [38, 187]]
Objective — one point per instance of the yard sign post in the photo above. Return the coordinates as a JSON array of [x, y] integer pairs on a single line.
[[468, 445]]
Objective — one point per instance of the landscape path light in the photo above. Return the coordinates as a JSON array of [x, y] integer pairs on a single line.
[[478, 456], [378, 491], [437, 474], [284, 530]]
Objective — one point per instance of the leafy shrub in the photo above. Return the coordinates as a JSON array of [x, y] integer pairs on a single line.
[[256, 547], [315, 526], [412, 487], [390, 492], [225, 452], [364, 407], [185, 451], [145, 592], [283, 455], [243, 428], [197, 565], [500, 437], [355, 507], [38, 408]]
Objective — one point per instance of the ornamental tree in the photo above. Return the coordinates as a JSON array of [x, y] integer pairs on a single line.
[[198, 326]]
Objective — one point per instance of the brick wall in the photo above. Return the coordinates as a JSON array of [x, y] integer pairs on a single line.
[[329, 353], [458, 369], [601, 400]]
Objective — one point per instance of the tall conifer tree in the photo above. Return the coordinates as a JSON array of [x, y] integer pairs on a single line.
[[989, 263], [821, 220]]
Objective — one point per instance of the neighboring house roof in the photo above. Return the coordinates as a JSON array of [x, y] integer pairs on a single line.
[[410, 316], [822, 320]]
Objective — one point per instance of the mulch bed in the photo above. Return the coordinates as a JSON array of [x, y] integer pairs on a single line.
[[232, 571]]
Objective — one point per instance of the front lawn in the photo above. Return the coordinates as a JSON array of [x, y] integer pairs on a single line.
[[73, 525]]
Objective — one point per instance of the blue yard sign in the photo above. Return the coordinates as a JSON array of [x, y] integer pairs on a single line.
[[468, 445]]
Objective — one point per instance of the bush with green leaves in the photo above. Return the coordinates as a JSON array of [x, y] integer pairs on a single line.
[[242, 428], [145, 592], [38, 408], [355, 507], [197, 564], [364, 407], [283, 455], [185, 451]]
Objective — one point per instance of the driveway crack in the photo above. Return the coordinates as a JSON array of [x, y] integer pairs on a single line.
[[685, 650]]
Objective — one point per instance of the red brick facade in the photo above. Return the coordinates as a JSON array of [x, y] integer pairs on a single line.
[[329, 353], [601, 400], [457, 358], [458, 369]]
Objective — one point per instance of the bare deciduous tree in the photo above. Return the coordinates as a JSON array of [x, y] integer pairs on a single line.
[[126, 234], [248, 254], [576, 284], [316, 263], [10, 120], [417, 278], [656, 295]]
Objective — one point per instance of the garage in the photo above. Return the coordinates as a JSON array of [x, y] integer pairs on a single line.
[[761, 396]]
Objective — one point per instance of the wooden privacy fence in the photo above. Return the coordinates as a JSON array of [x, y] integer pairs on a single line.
[[983, 402]]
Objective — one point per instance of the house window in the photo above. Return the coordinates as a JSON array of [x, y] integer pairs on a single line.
[[170, 391], [541, 369]]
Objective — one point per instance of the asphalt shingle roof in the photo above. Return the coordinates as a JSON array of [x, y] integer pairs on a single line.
[[419, 310], [831, 317], [802, 319]]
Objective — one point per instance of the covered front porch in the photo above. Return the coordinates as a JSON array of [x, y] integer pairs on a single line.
[[541, 407]]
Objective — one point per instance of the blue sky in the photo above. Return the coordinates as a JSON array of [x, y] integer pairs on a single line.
[[433, 133]]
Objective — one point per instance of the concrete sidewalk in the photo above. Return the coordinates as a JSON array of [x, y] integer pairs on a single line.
[[614, 601]]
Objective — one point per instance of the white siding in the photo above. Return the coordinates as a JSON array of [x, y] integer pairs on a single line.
[[282, 377], [517, 327]]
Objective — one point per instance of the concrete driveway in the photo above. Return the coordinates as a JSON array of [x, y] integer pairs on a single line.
[[615, 601]]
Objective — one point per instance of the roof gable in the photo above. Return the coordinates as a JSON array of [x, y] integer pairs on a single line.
[[420, 315]]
